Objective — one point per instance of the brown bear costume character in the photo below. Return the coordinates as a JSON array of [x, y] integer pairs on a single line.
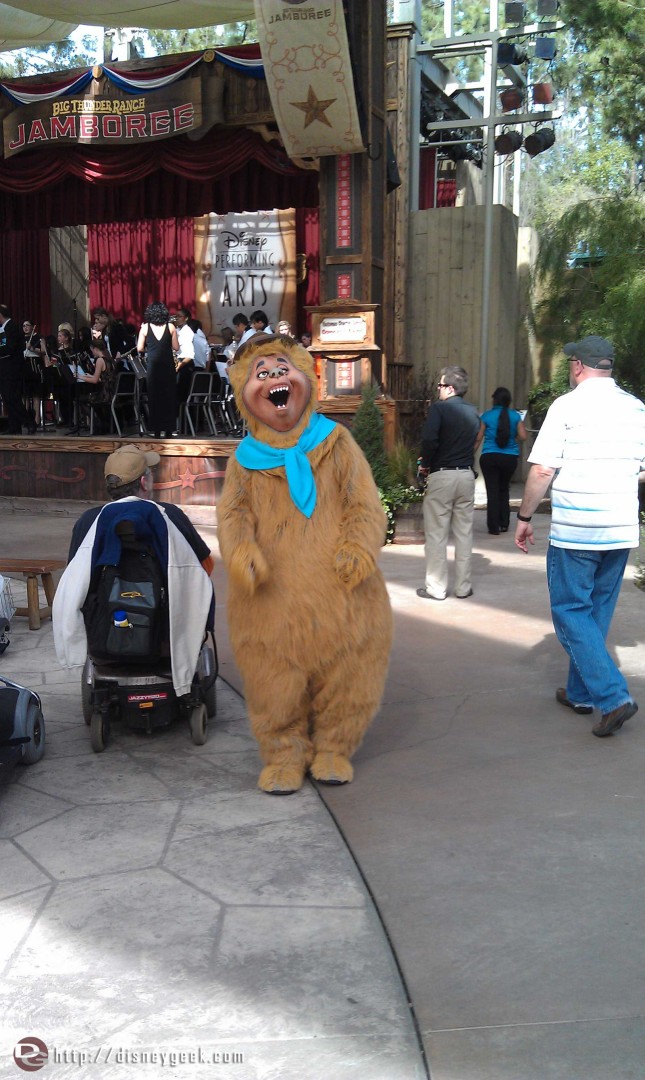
[[300, 527]]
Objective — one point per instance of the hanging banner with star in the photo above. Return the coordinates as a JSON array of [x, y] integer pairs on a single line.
[[309, 75]]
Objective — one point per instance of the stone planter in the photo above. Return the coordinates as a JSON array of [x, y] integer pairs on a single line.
[[409, 524]]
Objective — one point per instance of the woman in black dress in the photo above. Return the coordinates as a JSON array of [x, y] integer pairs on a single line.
[[158, 338]]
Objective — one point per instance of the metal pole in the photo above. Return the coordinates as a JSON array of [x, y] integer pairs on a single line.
[[489, 192]]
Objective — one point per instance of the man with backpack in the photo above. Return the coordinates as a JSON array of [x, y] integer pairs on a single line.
[[128, 473], [149, 558]]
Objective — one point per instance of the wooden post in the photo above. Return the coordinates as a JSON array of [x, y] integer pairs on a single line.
[[352, 186]]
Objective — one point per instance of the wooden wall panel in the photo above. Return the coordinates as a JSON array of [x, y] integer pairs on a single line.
[[397, 202], [69, 270], [190, 473], [445, 303]]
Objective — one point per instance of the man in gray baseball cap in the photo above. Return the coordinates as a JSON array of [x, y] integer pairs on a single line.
[[592, 351], [591, 449]]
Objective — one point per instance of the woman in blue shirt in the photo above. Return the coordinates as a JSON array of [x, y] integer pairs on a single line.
[[502, 430]]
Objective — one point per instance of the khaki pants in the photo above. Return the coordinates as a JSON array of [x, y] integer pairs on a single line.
[[449, 501]]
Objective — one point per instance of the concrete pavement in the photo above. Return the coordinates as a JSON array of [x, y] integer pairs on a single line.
[[152, 898]]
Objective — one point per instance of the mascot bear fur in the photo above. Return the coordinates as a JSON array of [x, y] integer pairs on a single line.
[[309, 616]]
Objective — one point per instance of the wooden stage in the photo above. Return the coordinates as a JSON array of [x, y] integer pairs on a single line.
[[190, 473]]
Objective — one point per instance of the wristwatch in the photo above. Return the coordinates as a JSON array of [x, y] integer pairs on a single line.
[[521, 517]]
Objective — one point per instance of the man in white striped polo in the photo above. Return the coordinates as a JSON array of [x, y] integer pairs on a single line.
[[591, 447]]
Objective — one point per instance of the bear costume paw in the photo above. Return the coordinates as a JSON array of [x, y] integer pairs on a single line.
[[248, 567], [353, 565], [281, 779], [330, 768]]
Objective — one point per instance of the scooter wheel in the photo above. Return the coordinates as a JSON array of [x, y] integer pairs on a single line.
[[36, 731], [99, 732], [198, 718], [86, 692]]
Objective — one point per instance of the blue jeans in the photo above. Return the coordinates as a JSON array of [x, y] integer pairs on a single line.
[[584, 586]]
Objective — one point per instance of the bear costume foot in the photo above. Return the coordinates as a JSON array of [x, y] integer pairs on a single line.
[[281, 779], [330, 768]]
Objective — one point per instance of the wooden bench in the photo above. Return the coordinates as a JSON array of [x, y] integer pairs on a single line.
[[31, 570]]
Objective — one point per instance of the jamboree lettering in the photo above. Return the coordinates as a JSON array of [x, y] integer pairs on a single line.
[[105, 126]]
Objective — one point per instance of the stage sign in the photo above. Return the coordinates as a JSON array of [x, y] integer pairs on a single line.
[[352, 329], [245, 263], [173, 110], [309, 76]]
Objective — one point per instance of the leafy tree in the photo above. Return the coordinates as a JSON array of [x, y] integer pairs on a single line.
[[608, 51], [607, 296], [471, 16], [65, 55], [59, 56], [581, 165], [203, 37]]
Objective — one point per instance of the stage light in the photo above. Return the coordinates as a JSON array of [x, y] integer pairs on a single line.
[[547, 7], [539, 141], [507, 53], [514, 12], [511, 98], [542, 94], [508, 142], [545, 48]]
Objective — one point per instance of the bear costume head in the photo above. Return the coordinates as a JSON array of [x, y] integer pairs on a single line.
[[275, 388]]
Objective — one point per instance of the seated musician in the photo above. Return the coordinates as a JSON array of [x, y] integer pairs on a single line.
[[56, 384], [111, 333], [100, 385], [35, 353]]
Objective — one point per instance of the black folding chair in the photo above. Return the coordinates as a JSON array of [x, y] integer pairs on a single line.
[[124, 400], [198, 405]]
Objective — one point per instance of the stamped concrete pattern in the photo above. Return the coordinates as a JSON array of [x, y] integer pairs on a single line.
[[151, 897], [153, 900]]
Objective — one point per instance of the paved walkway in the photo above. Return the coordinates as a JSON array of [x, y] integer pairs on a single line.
[[152, 899]]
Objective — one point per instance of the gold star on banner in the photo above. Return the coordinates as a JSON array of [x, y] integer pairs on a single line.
[[313, 108]]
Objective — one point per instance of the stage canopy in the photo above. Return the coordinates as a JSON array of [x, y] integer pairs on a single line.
[[39, 22]]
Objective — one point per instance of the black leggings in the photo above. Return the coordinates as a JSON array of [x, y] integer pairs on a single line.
[[498, 470]]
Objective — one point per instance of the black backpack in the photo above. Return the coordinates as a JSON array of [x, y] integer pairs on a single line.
[[126, 608]]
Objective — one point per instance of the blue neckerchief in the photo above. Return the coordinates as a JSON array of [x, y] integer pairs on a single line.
[[253, 454]]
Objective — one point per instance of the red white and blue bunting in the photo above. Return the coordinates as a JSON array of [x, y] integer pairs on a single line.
[[240, 59]]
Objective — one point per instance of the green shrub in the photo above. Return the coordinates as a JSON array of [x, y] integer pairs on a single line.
[[402, 464], [368, 430]]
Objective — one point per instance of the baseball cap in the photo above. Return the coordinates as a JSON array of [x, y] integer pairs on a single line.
[[592, 351], [129, 463]]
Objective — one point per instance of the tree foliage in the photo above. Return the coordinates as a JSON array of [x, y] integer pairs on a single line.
[[203, 37], [68, 54], [60, 56], [608, 51], [605, 297], [368, 430], [582, 165]]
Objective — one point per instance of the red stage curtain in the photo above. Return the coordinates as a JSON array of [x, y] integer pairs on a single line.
[[227, 170], [308, 243], [133, 264], [24, 276], [446, 190], [427, 160]]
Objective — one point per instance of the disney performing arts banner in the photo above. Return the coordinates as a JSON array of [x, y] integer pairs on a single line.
[[244, 263], [160, 114], [309, 76]]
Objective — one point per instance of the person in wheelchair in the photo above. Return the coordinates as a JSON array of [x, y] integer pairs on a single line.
[[97, 542]]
